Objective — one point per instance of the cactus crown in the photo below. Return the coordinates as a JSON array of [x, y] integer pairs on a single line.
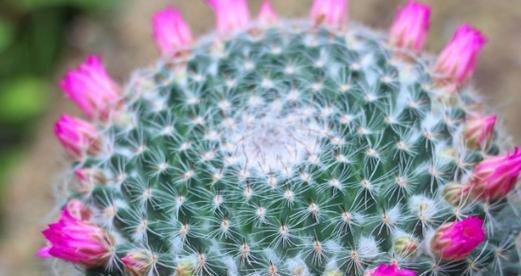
[[288, 149]]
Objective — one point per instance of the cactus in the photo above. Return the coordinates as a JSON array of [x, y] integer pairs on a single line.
[[288, 147]]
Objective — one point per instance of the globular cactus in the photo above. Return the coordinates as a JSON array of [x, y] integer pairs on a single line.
[[288, 147]]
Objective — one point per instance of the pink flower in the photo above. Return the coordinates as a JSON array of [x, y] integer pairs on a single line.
[[78, 210], [410, 26], [232, 15], [138, 262], [479, 131], [390, 270], [171, 31], [91, 88], [457, 61], [455, 240], [267, 14], [77, 136], [333, 13], [77, 241], [495, 177]]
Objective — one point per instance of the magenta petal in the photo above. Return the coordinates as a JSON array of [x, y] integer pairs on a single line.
[[91, 88], [391, 270], [171, 31], [77, 136], [456, 240], [458, 60], [77, 241], [231, 15], [44, 252], [267, 14], [495, 177], [410, 27]]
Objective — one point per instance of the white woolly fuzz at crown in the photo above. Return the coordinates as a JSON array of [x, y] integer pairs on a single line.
[[270, 140]]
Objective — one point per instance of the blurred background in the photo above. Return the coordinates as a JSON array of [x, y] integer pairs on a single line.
[[40, 39]]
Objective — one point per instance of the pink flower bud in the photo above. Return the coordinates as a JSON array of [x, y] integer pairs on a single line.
[[455, 193], [495, 177], [333, 13], [232, 15], [88, 177], [78, 210], [92, 89], [171, 31], [410, 26], [479, 131], [138, 262], [458, 60], [405, 246], [390, 270], [267, 14], [77, 241], [455, 240], [77, 136]]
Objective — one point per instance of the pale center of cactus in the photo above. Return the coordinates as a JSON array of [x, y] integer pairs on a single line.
[[272, 141]]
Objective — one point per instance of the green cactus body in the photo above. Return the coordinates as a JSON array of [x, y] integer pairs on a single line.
[[289, 150]]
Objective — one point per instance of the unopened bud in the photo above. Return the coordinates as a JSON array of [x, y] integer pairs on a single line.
[[406, 246]]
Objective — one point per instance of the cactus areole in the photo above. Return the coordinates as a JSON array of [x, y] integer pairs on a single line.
[[288, 147]]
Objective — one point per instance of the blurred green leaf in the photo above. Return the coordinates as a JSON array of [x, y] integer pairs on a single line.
[[38, 43], [48, 30], [7, 160], [6, 34], [22, 99]]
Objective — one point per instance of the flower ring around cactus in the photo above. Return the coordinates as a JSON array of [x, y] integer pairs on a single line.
[[288, 147]]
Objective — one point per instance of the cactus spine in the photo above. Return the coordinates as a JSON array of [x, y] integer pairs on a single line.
[[292, 147]]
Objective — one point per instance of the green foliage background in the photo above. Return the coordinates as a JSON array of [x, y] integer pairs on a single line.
[[32, 40]]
